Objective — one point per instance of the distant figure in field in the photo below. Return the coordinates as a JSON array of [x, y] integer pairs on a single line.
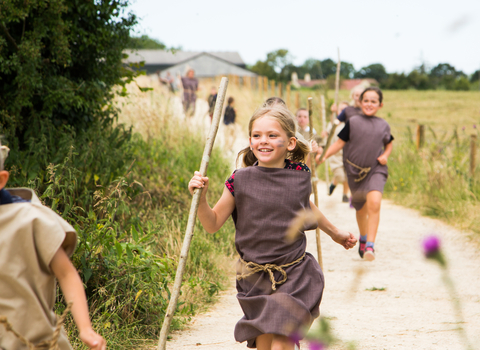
[[212, 99], [367, 144], [190, 87], [35, 246], [303, 122], [336, 161], [350, 111], [229, 121]]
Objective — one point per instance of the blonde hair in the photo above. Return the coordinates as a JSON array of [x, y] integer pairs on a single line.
[[287, 122], [273, 101]]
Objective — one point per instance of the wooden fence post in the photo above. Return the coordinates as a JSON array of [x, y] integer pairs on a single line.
[[280, 90], [420, 135], [272, 87], [265, 85], [288, 94], [473, 154], [297, 100]]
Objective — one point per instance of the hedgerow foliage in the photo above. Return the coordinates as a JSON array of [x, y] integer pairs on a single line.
[[59, 60]]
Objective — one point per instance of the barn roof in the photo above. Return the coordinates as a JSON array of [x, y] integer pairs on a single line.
[[206, 64], [168, 58]]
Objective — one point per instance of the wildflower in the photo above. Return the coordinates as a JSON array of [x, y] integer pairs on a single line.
[[463, 128], [474, 126], [295, 337], [315, 345], [431, 245], [431, 249]]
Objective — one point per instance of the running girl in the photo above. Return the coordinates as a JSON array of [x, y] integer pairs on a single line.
[[263, 198], [367, 144]]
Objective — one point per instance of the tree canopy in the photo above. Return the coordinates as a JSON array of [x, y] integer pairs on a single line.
[[145, 42]]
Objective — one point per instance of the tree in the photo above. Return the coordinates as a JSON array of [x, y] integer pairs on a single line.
[[375, 71], [445, 75], [145, 42], [276, 63], [59, 60], [322, 69], [475, 76], [264, 69], [396, 81], [419, 80]]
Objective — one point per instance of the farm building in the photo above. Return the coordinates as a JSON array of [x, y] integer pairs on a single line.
[[205, 64]]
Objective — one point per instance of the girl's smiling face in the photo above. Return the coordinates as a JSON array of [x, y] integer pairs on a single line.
[[270, 143], [370, 103]]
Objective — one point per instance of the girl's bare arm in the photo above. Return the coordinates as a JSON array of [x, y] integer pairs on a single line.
[[212, 219], [383, 159], [334, 148], [72, 288], [344, 238]]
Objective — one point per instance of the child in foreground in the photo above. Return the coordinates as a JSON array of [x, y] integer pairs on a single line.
[[35, 246], [367, 144], [263, 199]]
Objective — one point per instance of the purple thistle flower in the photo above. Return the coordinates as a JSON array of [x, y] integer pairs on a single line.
[[431, 245], [463, 128], [474, 126], [295, 337], [315, 345], [431, 249]]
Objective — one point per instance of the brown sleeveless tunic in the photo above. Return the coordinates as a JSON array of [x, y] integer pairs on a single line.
[[266, 201], [367, 140]]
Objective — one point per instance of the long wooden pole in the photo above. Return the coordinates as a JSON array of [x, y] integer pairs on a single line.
[[192, 216], [335, 121], [324, 128], [314, 183]]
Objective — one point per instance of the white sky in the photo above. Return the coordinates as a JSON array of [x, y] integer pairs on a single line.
[[396, 33]]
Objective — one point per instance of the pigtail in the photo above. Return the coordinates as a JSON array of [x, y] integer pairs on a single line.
[[247, 156], [301, 150]]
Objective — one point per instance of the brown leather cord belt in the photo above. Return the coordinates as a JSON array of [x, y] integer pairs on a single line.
[[270, 268], [363, 171]]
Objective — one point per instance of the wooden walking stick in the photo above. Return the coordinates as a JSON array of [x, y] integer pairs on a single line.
[[324, 128], [335, 121], [314, 183], [172, 305]]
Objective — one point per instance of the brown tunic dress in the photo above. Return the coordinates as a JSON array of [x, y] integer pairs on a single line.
[[348, 113], [190, 87], [266, 201], [365, 142]]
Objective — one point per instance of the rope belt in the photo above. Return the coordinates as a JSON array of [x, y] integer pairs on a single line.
[[270, 268], [46, 345], [363, 171]]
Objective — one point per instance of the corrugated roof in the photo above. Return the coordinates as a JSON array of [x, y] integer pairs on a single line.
[[207, 65], [162, 57]]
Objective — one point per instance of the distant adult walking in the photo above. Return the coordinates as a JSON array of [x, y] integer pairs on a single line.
[[190, 87]]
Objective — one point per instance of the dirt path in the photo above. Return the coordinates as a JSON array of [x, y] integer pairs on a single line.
[[400, 301], [414, 310]]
